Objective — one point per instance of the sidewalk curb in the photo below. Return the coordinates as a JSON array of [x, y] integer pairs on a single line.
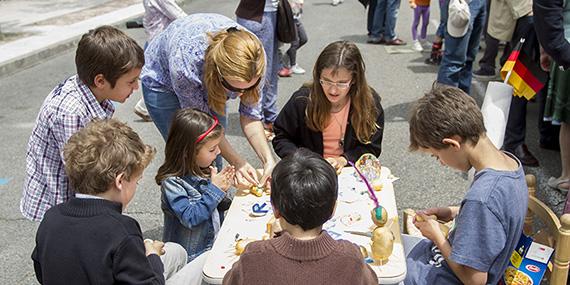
[[25, 53]]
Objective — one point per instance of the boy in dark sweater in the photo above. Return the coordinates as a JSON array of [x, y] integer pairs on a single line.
[[304, 191], [86, 240]]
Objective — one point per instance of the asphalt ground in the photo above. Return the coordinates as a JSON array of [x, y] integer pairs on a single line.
[[399, 78]]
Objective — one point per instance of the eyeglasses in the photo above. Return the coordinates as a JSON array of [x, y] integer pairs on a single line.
[[339, 85], [228, 86]]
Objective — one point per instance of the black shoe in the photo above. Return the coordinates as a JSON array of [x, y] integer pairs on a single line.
[[555, 146], [376, 41], [436, 54], [485, 73], [524, 155], [433, 60]]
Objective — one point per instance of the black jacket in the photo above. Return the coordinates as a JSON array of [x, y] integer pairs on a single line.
[[550, 30], [291, 131], [89, 241]]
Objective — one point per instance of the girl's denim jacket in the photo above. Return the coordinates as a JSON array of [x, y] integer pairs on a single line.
[[188, 203]]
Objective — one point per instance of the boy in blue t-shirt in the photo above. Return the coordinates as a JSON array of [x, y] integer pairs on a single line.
[[447, 124]]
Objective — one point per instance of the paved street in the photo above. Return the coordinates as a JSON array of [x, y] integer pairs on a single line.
[[399, 79]]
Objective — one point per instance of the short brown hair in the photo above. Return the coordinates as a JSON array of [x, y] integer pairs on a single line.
[[106, 50], [98, 153], [441, 113]]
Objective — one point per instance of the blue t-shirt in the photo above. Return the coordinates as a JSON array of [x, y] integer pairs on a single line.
[[486, 231]]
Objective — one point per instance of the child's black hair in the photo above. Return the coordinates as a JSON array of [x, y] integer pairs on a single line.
[[304, 189]]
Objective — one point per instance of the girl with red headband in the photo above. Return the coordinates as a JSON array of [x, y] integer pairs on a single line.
[[193, 189]]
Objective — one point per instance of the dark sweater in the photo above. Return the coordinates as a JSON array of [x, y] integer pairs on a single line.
[[89, 241], [549, 24], [291, 131], [251, 9], [286, 260]]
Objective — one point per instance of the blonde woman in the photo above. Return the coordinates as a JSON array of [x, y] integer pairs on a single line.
[[337, 115], [201, 61]]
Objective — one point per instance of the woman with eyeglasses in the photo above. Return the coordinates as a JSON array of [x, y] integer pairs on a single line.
[[337, 115], [200, 61]]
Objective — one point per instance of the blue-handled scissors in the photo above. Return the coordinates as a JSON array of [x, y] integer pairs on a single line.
[[260, 208]]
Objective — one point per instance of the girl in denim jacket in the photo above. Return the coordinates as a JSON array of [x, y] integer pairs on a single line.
[[191, 187]]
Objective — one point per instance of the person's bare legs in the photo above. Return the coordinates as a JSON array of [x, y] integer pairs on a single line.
[[565, 154]]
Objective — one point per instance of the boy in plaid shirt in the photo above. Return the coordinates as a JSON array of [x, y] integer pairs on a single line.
[[108, 65]]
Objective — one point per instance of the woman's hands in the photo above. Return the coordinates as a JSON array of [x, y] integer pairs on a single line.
[[337, 162], [224, 179], [266, 178], [246, 175]]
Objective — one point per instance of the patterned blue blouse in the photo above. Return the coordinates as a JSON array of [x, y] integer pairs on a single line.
[[174, 61]]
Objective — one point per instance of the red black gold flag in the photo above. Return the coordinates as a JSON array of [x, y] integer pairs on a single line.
[[526, 77]]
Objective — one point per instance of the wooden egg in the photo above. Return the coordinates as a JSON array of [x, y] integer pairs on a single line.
[[363, 251], [241, 244], [377, 185], [379, 216], [257, 191], [382, 244]]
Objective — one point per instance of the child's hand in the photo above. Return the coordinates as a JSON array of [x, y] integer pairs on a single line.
[[444, 214], [223, 180], [429, 228], [413, 4], [154, 247]]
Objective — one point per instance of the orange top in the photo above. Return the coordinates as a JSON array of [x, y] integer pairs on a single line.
[[333, 134], [422, 2]]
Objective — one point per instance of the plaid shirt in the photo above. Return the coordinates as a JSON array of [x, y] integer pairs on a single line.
[[68, 108]]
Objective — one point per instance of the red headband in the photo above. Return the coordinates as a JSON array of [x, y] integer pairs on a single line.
[[202, 136]]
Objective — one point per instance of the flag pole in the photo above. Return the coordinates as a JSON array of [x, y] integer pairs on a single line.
[[510, 71]]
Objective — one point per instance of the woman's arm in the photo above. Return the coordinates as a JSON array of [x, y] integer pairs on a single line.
[[253, 130]]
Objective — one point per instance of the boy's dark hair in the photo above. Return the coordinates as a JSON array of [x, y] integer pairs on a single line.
[[304, 189], [95, 155], [106, 50], [441, 113]]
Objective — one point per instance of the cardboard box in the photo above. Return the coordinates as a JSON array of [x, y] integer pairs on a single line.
[[528, 263]]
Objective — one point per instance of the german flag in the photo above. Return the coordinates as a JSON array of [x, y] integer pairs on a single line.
[[523, 74]]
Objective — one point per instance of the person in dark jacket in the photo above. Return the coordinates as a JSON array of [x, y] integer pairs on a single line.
[[87, 239], [553, 30], [338, 115]]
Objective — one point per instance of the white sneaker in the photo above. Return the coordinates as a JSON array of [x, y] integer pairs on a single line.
[[426, 44], [141, 111], [335, 2], [417, 46], [297, 69]]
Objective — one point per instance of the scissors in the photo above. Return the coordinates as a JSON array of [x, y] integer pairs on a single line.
[[259, 209], [366, 234]]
